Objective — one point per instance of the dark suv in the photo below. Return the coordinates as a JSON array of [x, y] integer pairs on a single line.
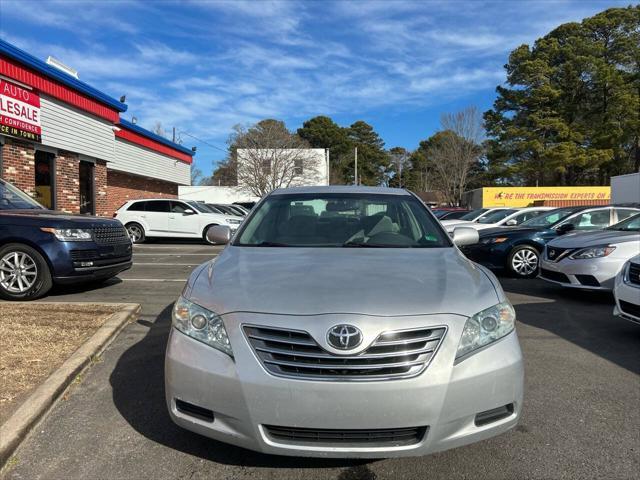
[[40, 247]]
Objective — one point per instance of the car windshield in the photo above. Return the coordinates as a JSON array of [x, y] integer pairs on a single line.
[[631, 224], [549, 218], [473, 214], [342, 220], [200, 207], [495, 217], [12, 198]]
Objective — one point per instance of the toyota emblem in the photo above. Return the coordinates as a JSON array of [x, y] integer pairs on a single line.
[[344, 337]]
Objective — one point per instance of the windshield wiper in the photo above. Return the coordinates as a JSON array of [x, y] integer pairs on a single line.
[[269, 244], [351, 244]]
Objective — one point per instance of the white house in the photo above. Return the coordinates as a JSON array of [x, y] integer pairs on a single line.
[[311, 169], [309, 166]]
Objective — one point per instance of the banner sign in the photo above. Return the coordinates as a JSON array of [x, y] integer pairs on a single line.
[[525, 196], [19, 112]]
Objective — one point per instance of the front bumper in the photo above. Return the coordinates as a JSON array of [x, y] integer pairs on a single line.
[[89, 274], [627, 298], [591, 274], [76, 262], [244, 398]]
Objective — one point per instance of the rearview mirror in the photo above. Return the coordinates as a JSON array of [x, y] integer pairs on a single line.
[[219, 234], [188, 211], [564, 228], [511, 223], [465, 236]]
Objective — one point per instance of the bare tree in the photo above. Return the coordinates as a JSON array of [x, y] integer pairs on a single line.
[[454, 151], [267, 156], [158, 129]]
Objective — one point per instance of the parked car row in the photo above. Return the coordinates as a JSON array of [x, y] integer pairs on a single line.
[[171, 218], [591, 248]]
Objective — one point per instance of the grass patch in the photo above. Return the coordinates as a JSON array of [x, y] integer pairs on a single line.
[[35, 339]]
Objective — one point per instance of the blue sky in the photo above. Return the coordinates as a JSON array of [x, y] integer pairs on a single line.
[[206, 66]]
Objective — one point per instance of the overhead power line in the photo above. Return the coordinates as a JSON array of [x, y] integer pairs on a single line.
[[203, 141]]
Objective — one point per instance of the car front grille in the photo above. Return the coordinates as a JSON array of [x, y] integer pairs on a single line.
[[394, 354], [110, 235], [634, 273], [555, 276], [377, 437], [630, 308]]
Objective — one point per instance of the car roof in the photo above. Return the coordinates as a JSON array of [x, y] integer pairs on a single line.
[[154, 199], [340, 189]]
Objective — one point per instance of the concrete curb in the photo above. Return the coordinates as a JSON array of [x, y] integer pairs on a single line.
[[16, 428]]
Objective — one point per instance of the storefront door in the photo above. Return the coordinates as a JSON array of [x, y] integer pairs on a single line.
[[44, 173], [87, 204]]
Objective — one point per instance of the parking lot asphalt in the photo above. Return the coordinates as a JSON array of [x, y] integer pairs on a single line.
[[581, 415]]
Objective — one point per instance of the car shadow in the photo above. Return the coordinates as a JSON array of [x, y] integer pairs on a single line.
[[59, 290], [137, 382], [584, 318]]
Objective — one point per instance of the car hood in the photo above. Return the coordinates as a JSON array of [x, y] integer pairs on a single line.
[[309, 281], [57, 219], [448, 223], [592, 239], [508, 231]]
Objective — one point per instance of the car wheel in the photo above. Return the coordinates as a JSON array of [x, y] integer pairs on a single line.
[[204, 234], [24, 273], [136, 232], [523, 261]]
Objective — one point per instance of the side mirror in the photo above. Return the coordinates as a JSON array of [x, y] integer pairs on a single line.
[[565, 228], [465, 236], [219, 234], [511, 223], [188, 211]]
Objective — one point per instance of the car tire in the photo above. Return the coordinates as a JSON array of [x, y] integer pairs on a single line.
[[136, 232], [523, 261], [204, 233], [24, 273]]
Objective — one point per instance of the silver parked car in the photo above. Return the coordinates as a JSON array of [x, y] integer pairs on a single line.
[[627, 291], [343, 322], [591, 260]]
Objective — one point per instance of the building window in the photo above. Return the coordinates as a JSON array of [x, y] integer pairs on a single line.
[[86, 180], [45, 179], [266, 166], [298, 167]]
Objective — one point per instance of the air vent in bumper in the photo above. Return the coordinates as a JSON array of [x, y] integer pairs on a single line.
[[394, 354], [555, 276], [379, 437], [630, 308]]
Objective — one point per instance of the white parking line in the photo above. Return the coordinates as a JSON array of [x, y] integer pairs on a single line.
[[173, 254], [166, 264], [171, 247], [153, 279]]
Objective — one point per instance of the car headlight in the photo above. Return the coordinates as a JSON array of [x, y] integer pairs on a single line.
[[486, 327], [233, 221], [492, 240], [201, 324], [70, 234], [592, 252]]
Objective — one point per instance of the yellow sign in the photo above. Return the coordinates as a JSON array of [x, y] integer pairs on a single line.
[[525, 196]]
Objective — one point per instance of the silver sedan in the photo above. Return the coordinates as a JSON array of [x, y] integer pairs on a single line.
[[343, 322], [591, 260]]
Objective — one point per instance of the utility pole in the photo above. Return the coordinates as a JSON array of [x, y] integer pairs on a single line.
[[355, 178], [174, 135], [327, 154]]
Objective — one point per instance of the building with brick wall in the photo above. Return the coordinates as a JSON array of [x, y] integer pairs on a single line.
[[64, 142]]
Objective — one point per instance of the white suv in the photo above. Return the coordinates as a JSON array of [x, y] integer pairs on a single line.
[[170, 218]]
